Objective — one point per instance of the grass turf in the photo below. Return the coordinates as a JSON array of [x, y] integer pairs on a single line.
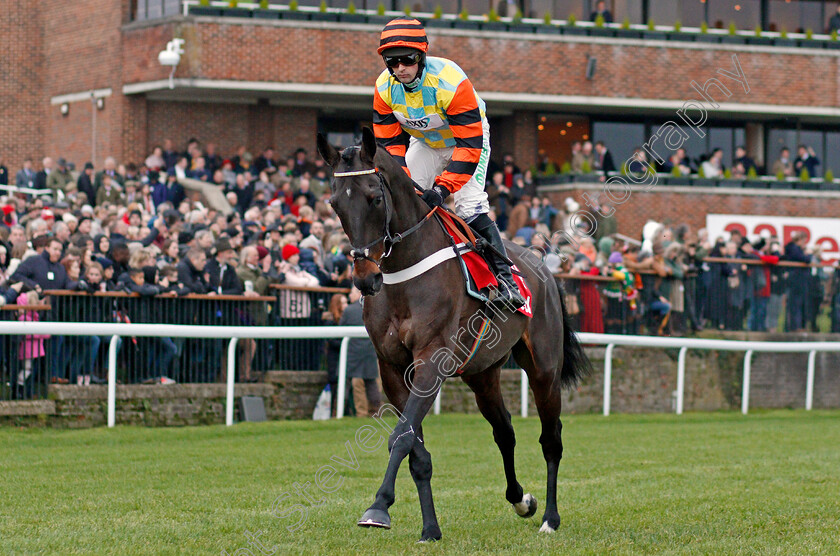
[[714, 483]]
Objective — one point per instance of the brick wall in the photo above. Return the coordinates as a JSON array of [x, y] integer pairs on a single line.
[[78, 46], [22, 96]]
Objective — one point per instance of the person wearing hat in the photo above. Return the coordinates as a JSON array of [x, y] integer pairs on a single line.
[[290, 267], [61, 179], [85, 183], [429, 117], [221, 274]]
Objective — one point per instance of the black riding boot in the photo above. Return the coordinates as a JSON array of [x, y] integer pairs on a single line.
[[509, 295]]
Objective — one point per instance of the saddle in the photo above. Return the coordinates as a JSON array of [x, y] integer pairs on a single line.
[[473, 253]]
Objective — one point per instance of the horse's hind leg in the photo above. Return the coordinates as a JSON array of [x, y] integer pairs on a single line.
[[545, 383], [488, 396]]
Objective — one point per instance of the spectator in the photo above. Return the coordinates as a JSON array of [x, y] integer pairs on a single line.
[[603, 158], [44, 272], [59, 180], [85, 183], [109, 169], [745, 161], [26, 175], [108, 192], [338, 303], [191, 271], [798, 281], [170, 157], [4, 172], [155, 162], [43, 174], [784, 165], [601, 10], [31, 351], [807, 160], [834, 22], [713, 166], [221, 275], [249, 271], [362, 363]]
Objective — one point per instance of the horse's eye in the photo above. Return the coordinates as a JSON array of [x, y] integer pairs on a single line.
[[376, 201]]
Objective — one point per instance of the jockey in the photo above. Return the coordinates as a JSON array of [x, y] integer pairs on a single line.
[[427, 114]]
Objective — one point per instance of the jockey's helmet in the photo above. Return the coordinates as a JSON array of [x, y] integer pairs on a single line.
[[403, 32]]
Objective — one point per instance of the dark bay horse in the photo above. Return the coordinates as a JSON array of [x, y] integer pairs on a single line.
[[420, 325]]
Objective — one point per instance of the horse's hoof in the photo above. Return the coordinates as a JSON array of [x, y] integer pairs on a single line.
[[375, 518], [546, 528], [527, 507], [431, 535]]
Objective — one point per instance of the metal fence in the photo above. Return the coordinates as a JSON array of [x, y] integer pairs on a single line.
[[721, 294], [23, 364], [83, 359]]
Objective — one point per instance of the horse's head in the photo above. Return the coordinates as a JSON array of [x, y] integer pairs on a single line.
[[361, 200]]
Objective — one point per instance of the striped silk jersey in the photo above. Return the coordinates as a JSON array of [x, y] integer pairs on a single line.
[[443, 111]]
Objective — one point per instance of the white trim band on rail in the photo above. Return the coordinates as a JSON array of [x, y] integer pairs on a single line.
[[78, 97]]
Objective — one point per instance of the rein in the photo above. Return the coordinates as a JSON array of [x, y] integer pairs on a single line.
[[387, 239]]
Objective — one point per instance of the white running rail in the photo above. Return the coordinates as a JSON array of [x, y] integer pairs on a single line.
[[235, 333]]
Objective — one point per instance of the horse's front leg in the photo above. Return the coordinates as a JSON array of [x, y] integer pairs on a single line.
[[424, 383]]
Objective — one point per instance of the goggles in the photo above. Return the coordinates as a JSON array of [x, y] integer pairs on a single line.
[[407, 60]]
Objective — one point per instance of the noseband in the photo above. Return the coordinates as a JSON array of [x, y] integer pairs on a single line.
[[387, 239]]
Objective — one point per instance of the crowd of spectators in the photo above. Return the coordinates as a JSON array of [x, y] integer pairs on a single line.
[[133, 228]]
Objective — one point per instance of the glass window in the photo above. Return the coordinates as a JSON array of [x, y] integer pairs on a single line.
[[832, 150], [665, 12], [630, 9], [565, 7], [696, 146], [557, 132], [812, 16], [473, 7], [619, 137], [721, 138], [745, 13], [784, 15], [538, 8], [692, 12], [776, 140]]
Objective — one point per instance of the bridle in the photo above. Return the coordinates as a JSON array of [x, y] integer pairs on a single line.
[[387, 239]]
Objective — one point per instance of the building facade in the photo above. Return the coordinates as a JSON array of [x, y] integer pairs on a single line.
[[82, 81]]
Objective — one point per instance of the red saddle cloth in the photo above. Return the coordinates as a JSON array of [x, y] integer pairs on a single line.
[[479, 269]]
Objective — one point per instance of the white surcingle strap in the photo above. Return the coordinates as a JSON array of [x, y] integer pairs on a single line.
[[423, 266], [356, 173]]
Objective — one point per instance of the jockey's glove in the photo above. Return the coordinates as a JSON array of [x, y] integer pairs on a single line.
[[435, 195]]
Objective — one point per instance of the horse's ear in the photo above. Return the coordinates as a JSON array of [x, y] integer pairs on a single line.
[[327, 151], [368, 145]]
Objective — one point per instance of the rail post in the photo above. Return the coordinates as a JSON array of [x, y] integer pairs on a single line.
[[231, 379], [112, 381], [809, 386], [681, 380], [745, 394], [607, 377], [342, 378], [523, 394]]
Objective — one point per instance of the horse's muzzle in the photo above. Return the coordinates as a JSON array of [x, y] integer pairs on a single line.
[[370, 284]]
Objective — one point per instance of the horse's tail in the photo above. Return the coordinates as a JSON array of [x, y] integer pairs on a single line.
[[576, 364]]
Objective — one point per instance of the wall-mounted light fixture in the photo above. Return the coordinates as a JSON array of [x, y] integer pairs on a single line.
[[64, 108], [100, 103]]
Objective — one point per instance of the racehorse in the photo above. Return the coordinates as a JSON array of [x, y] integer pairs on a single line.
[[413, 321]]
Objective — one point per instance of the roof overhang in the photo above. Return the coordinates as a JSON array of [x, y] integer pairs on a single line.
[[349, 97]]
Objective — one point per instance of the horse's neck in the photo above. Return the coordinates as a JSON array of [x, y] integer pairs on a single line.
[[421, 243]]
